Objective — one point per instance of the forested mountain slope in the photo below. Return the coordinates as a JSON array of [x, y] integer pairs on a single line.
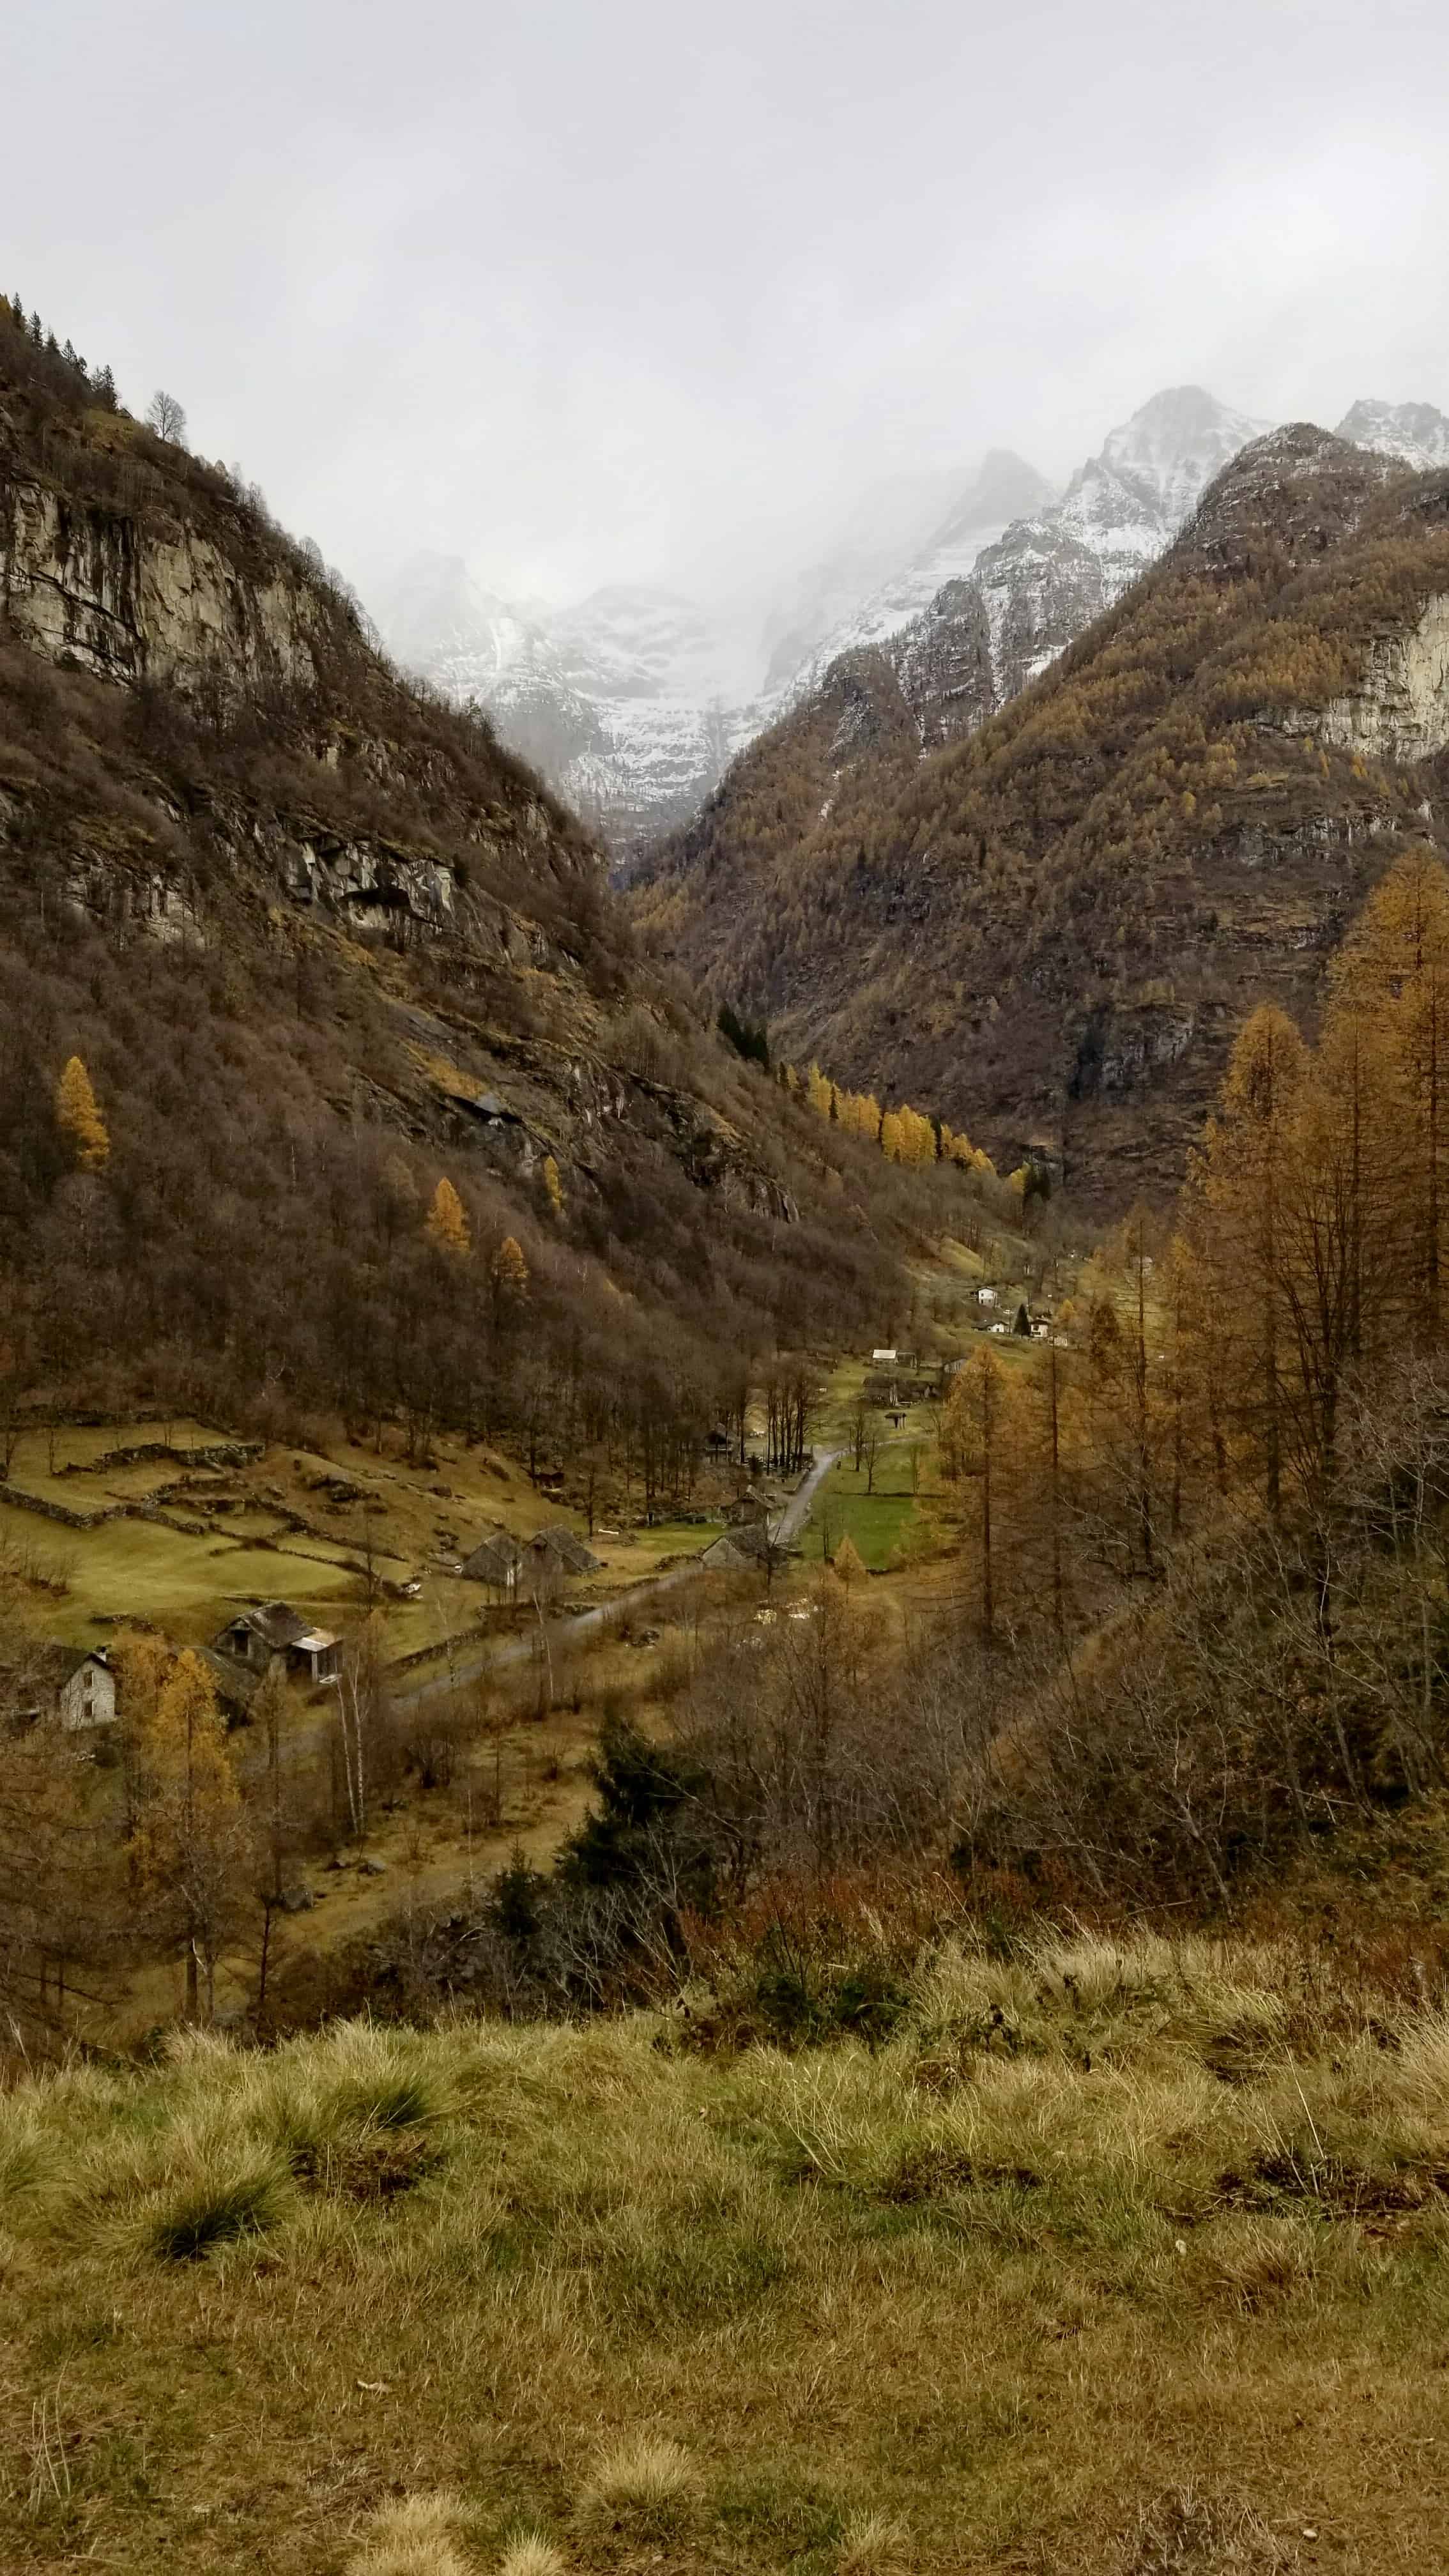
[[319, 944], [1052, 928]]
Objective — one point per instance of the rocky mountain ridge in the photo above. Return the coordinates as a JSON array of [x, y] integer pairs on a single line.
[[1039, 585], [1049, 925], [631, 704], [1004, 491]]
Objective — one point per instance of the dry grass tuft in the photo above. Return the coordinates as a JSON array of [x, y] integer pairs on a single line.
[[1256, 2263], [180, 2192], [415, 2537], [531, 2555], [645, 2482], [1421, 2077], [219, 2208], [1186, 2532], [871, 2545]]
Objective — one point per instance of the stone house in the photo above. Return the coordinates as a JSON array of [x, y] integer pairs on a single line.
[[534, 1569], [274, 1628], [496, 1562], [749, 1510], [550, 1559], [80, 1688], [738, 1551]]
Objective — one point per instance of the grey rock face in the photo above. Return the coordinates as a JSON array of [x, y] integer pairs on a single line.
[[79, 585]]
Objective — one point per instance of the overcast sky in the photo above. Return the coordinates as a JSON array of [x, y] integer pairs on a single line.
[[643, 290]]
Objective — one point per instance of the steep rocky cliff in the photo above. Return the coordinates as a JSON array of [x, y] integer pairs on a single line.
[[150, 598], [1398, 706], [1050, 928]]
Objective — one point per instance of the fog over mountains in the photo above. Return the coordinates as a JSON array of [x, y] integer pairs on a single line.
[[633, 702]]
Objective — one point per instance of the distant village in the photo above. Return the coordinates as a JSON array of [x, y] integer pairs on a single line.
[[523, 1573]]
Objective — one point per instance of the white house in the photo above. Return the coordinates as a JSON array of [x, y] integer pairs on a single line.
[[82, 1687]]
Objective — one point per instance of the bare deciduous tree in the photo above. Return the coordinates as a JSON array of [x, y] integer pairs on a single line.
[[165, 415]]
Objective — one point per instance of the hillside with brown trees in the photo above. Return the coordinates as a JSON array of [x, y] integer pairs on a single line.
[[1053, 928], [332, 1083]]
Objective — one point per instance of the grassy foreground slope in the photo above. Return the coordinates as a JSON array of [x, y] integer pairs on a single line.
[[1110, 2259]]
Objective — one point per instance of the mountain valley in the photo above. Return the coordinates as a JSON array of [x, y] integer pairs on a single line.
[[251, 870], [854, 1766]]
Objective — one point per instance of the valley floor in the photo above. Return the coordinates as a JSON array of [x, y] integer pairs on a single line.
[[1112, 2259]]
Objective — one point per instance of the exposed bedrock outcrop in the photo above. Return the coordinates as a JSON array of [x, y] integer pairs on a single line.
[[1398, 708], [92, 585]]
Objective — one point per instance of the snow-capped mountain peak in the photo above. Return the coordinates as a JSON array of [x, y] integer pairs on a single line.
[[1170, 450], [619, 701], [1414, 432], [633, 701]]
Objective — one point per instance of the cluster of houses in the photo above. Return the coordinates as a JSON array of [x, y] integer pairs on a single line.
[[77, 1686], [1024, 1318], [533, 1569]]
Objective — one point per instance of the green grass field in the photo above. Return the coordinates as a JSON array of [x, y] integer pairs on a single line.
[[667, 1538], [133, 1569], [185, 1585], [1110, 2260], [878, 1524]]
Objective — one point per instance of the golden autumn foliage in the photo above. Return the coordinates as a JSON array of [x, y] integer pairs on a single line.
[[509, 1271], [190, 1836], [904, 1134], [78, 1117], [552, 1185], [973, 1456], [447, 1224], [1212, 1366], [848, 1564]]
